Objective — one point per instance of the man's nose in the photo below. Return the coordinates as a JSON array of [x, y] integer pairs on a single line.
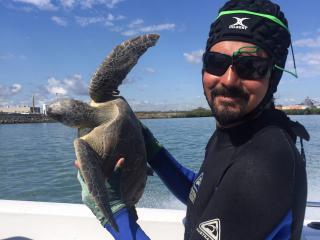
[[230, 77]]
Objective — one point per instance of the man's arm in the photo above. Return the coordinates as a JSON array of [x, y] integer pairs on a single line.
[[129, 229], [176, 177]]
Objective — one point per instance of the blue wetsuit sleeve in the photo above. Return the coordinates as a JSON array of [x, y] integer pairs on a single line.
[[176, 177], [129, 229]]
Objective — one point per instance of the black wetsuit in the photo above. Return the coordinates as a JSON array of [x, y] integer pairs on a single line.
[[251, 185]]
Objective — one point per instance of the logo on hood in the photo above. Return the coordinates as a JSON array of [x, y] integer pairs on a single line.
[[238, 24]]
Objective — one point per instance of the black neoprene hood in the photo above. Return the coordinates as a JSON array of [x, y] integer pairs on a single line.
[[250, 28], [252, 21]]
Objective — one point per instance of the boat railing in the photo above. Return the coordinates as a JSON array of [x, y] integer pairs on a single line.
[[313, 204]]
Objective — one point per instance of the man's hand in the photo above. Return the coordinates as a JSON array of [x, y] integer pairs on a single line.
[[126, 218], [113, 187], [118, 165]]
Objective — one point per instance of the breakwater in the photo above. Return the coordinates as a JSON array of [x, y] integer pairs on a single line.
[[40, 118], [14, 118]]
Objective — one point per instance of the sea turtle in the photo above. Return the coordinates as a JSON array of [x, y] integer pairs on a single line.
[[112, 130]]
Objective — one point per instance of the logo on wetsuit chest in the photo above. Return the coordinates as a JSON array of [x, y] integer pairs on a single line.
[[195, 188], [210, 230]]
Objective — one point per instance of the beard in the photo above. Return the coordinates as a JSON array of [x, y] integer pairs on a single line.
[[225, 111]]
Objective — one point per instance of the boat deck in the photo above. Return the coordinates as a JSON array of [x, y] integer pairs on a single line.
[[26, 220]]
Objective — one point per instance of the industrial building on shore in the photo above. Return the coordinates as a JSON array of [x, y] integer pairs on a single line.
[[23, 109], [307, 103], [20, 109]]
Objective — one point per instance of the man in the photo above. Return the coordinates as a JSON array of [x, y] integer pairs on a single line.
[[252, 183]]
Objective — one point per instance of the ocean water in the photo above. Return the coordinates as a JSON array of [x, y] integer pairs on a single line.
[[37, 160]]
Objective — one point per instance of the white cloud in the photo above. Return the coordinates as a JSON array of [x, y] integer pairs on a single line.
[[11, 56], [90, 3], [311, 58], [128, 80], [41, 4], [135, 23], [137, 27], [119, 17], [57, 90], [59, 20], [85, 21], [109, 24], [308, 64], [107, 21], [10, 91], [116, 29], [110, 17], [54, 86], [130, 32], [308, 42], [132, 78], [18, 7], [150, 70], [112, 3], [68, 3], [194, 57], [15, 88], [133, 28], [85, 4], [159, 27], [71, 85], [76, 85]]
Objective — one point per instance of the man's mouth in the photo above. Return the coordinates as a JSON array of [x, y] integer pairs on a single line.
[[229, 95], [234, 100], [228, 98]]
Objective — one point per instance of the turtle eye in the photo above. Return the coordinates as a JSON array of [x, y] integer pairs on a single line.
[[84, 131]]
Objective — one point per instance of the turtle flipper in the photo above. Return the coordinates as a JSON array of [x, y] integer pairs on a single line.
[[117, 65], [91, 170]]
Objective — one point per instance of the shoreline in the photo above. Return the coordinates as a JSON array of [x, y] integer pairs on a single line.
[[40, 118], [17, 118]]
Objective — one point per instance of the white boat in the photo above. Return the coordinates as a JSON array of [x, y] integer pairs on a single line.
[[26, 220]]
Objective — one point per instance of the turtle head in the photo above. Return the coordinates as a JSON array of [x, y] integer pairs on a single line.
[[70, 112]]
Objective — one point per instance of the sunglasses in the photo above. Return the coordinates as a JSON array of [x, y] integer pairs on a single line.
[[246, 67]]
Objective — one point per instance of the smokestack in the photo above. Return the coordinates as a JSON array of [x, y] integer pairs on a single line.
[[32, 104]]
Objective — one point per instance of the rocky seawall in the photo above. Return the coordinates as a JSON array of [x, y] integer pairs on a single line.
[[151, 115], [23, 118], [14, 118]]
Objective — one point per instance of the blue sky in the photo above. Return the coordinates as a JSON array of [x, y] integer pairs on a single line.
[[50, 47]]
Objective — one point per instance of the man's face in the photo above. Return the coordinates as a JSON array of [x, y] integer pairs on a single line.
[[229, 96]]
